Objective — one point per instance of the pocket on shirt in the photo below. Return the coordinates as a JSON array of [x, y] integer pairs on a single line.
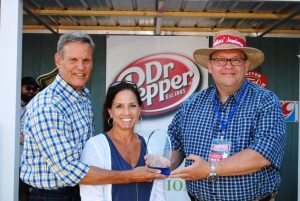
[[243, 134]]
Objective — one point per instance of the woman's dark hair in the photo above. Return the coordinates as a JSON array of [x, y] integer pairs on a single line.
[[112, 91]]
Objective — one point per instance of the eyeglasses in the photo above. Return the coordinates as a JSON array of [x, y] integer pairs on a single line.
[[124, 81], [31, 88], [234, 61]]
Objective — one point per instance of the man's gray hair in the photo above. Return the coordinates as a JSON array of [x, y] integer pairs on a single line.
[[71, 37]]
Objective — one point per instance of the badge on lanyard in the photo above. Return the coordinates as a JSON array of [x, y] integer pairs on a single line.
[[220, 149]]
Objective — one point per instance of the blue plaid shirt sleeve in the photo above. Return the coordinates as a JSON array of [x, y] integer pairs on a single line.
[[269, 132], [50, 132]]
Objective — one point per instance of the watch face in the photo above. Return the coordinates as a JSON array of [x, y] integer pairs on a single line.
[[212, 178]]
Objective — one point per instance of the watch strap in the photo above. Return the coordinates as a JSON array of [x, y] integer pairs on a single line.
[[213, 168], [212, 177]]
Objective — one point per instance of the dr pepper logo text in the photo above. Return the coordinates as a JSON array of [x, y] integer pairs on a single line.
[[164, 80]]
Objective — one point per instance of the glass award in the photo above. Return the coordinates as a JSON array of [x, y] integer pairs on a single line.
[[159, 151]]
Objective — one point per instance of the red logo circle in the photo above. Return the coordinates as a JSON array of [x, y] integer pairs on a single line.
[[164, 80], [257, 78]]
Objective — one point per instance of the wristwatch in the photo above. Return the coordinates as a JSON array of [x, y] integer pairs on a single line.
[[212, 177]]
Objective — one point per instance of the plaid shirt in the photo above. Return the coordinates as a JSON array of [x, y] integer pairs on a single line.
[[58, 122], [257, 124]]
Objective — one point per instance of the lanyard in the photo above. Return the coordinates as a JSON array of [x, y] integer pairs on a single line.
[[224, 124]]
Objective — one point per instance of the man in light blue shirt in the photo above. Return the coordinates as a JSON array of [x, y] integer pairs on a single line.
[[58, 121]]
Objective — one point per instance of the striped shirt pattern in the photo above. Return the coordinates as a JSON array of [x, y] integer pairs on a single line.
[[257, 124], [58, 121]]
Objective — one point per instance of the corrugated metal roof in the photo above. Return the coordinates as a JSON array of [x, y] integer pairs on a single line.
[[163, 17]]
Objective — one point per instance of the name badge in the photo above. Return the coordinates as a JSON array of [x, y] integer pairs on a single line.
[[220, 149]]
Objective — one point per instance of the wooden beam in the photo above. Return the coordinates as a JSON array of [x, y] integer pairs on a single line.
[[38, 19], [104, 28], [95, 12], [280, 22], [228, 15], [170, 29], [166, 14]]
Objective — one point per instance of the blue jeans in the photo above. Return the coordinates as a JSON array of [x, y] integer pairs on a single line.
[[63, 194]]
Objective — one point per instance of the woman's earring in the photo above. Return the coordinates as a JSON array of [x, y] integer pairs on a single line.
[[110, 121]]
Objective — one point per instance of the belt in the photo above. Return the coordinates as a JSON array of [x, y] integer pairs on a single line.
[[267, 198], [60, 191]]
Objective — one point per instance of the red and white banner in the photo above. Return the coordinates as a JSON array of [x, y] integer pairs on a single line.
[[166, 75]]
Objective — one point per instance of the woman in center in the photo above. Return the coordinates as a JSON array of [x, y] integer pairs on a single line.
[[119, 148]]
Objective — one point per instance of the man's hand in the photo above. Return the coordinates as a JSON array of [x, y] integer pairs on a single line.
[[145, 174], [197, 171], [99, 176]]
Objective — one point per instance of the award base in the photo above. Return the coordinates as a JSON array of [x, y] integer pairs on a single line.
[[164, 171]]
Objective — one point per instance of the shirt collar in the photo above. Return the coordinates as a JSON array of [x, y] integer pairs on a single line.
[[235, 95], [69, 91]]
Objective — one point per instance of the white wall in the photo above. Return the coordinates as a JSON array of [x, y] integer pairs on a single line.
[[10, 68]]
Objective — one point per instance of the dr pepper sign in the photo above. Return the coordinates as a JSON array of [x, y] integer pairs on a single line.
[[164, 80]]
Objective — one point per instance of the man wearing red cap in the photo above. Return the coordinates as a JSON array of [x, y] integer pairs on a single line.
[[231, 134]]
